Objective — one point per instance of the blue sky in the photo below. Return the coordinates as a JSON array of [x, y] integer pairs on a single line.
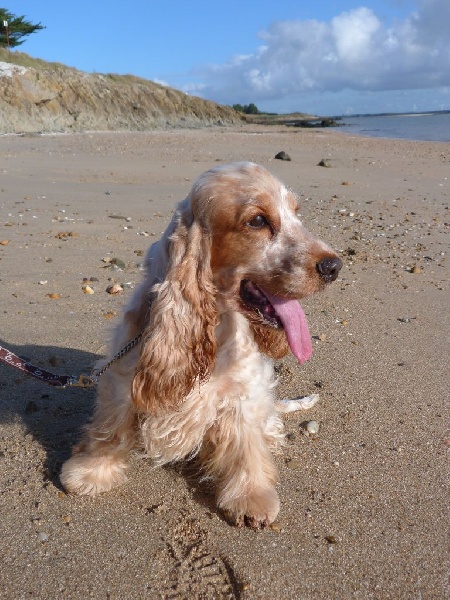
[[321, 57]]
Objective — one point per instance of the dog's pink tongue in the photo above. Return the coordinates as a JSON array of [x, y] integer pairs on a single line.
[[295, 325]]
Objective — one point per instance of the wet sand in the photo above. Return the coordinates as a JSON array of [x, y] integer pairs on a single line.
[[364, 503]]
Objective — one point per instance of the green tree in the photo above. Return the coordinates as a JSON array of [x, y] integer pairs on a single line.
[[18, 28], [248, 109], [251, 109]]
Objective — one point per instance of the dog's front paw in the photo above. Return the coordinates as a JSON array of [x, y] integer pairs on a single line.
[[86, 475], [256, 510]]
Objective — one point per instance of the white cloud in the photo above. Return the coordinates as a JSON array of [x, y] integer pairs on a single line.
[[354, 35], [355, 51]]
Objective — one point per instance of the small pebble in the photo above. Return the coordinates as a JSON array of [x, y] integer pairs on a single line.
[[87, 289], [43, 537], [42, 282], [31, 407], [54, 296], [331, 539], [114, 289], [325, 162], [118, 262], [283, 156], [312, 427], [55, 361], [63, 235], [110, 314], [416, 270]]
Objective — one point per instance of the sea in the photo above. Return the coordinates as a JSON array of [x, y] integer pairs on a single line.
[[432, 127]]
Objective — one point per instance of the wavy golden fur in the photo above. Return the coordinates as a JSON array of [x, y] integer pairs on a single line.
[[218, 301], [179, 345]]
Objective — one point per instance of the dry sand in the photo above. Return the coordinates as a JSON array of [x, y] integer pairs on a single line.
[[364, 503]]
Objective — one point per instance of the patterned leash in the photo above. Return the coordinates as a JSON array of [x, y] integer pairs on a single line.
[[64, 381]]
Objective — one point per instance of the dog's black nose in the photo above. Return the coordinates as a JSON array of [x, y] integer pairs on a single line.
[[329, 268]]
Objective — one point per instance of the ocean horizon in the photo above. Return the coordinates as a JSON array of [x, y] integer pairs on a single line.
[[431, 127]]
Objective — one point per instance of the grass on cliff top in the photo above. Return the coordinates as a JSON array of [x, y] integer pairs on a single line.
[[130, 79], [25, 60]]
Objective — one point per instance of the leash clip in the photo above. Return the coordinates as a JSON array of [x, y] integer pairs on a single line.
[[83, 381]]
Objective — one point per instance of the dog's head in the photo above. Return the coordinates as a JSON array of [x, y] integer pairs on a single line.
[[262, 258]]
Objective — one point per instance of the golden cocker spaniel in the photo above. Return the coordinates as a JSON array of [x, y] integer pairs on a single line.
[[219, 300]]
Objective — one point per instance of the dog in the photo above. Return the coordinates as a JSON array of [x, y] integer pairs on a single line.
[[219, 301]]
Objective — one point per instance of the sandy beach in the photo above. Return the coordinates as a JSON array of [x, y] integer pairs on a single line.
[[364, 502]]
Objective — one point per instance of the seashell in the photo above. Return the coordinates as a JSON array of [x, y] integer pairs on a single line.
[[114, 289], [312, 427]]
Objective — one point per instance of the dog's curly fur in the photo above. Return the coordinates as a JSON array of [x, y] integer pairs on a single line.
[[201, 384]]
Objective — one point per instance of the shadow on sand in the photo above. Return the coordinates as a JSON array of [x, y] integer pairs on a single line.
[[53, 416]]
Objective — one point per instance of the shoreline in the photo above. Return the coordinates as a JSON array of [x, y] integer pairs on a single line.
[[251, 129], [341, 129], [405, 127], [363, 503]]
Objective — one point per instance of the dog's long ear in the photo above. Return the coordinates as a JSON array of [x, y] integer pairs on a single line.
[[179, 344]]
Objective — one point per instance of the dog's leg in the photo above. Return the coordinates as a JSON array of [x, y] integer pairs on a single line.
[[236, 455], [98, 463]]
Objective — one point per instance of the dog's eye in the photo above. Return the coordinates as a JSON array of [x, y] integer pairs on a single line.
[[257, 222]]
